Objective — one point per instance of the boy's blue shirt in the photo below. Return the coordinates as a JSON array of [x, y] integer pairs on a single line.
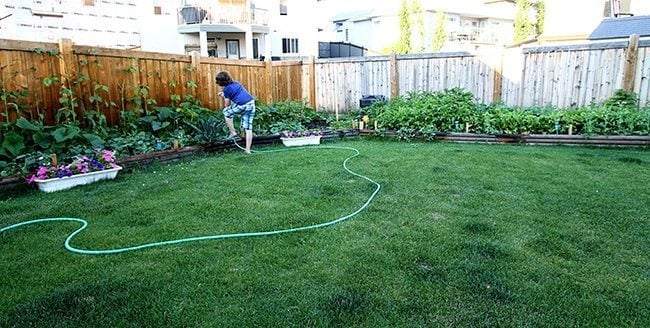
[[237, 93]]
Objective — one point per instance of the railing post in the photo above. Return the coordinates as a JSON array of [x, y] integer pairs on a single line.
[[629, 70]]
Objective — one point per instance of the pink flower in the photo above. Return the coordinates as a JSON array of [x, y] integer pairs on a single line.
[[108, 156]]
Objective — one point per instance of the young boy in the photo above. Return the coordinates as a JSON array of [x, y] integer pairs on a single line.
[[240, 102]]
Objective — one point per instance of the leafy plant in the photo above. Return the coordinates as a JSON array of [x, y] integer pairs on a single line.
[[10, 99], [132, 144], [406, 134], [622, 99], [208, 130]]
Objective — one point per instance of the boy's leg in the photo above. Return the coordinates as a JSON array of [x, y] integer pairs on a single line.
[[231, 126], [249, 141], [247, 124], [228, 114]]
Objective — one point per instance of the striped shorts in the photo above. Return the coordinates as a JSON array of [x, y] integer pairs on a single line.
[[247, 112]]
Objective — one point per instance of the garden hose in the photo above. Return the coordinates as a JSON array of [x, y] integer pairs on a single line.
[[84, 223]]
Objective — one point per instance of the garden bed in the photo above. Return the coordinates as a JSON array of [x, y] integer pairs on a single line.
[[170, 155], [532, 139]]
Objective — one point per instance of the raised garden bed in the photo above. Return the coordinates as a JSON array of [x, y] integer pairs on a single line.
[[643, 141]]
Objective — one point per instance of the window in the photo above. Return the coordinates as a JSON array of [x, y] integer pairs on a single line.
[[283, 7], [157, 7], [256, 48], [232, 49], [289, 45]]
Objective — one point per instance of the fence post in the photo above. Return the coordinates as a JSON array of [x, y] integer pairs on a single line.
[[194, 74], [629, 71], [498, 77], [66, 60], [312, 83], [394, 76], [269, 75]]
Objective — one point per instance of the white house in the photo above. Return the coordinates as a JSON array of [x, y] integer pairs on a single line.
[[470, 24], [88, 22]]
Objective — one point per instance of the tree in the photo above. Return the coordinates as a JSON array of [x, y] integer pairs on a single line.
[[440, 35], [523, 26], [418, 15], [404, 43], [540, 8]]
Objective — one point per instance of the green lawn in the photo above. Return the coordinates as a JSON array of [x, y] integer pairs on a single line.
[[464, 235]]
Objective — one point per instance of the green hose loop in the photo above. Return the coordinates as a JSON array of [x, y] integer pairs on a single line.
[[84, 223]]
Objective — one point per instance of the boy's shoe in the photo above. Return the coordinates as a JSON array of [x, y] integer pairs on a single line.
[[233, 138]]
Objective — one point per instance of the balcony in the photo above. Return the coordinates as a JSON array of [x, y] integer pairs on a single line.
[[222, 14], [480, 35]]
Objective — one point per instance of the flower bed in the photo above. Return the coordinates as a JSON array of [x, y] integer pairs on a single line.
[[300, 138], [56, 184], [83, 170]]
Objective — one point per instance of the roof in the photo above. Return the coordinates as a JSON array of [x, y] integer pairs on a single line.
[[354, 15], [623, 27]]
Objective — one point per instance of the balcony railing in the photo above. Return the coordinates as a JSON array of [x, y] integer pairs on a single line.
[[222, 14], [477, 35]]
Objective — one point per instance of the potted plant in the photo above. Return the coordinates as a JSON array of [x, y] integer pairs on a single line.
[[300, 138], [82, 170]]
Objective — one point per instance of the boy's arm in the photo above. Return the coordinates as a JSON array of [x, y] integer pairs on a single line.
[[227, 100]]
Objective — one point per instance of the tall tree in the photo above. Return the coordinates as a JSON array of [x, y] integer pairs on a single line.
[[404, 43], [418, 16], [523, 25], [440, 34], [540, 7]]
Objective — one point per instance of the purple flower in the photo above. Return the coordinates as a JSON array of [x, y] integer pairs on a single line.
[[102, 160]]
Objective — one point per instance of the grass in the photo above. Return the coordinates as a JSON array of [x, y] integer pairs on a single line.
[[465, 235]]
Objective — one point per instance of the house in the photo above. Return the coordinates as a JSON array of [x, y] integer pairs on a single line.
[[470, 24], [221, 28], [89, 22]]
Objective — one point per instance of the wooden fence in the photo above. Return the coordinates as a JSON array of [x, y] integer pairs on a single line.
[[116, 80], [561, 76], [576, 75]]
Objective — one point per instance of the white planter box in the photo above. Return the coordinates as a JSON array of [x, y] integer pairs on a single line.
[[55, 184], [301, 141]]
